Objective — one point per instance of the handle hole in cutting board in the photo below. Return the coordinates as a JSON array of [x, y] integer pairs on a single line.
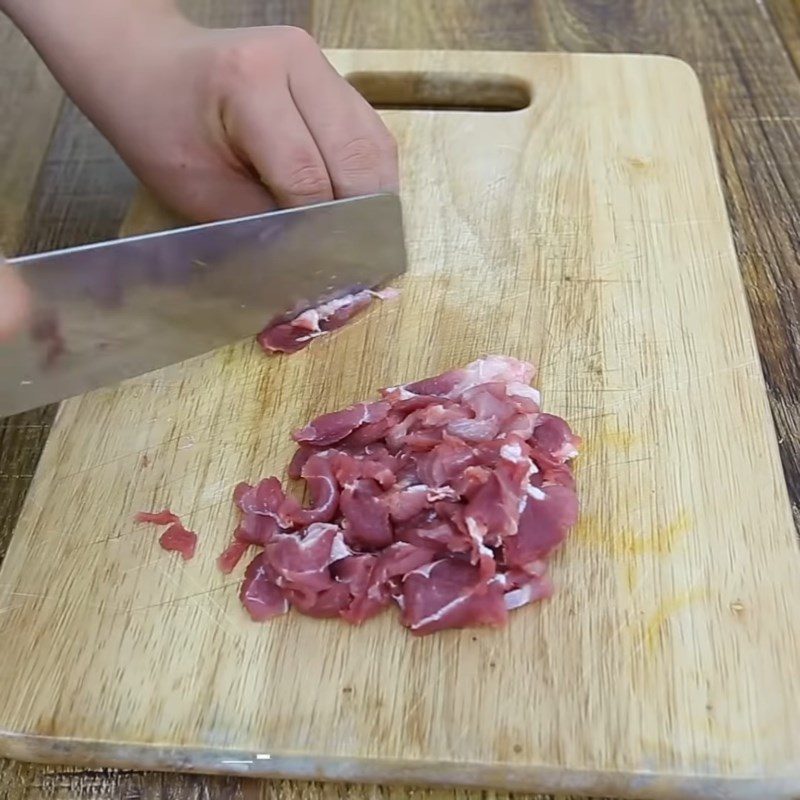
[[441, 91]]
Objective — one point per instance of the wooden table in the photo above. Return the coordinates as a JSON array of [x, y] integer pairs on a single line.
[[61, 184]]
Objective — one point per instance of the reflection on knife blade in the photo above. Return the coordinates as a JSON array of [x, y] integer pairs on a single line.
[[114, 310]]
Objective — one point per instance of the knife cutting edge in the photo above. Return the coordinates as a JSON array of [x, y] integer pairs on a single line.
[[109, 311]]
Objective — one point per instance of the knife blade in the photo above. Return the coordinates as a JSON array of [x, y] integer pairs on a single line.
[[109, 311]]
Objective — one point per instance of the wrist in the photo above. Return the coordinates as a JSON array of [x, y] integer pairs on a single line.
[[91, 46], [75, 35], [31, 15], [34, 17]]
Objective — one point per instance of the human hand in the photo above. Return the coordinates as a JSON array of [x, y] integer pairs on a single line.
[[217, 123], [14, 302]]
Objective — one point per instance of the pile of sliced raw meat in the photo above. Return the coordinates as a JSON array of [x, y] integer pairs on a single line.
[[446, 497]]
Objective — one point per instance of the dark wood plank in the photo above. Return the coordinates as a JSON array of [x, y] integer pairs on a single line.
[[25, 782], [30, 105], [238, 13], [83, 190], [416, 24], [753, 97], [785, 15], [31, 102], [81, 195]]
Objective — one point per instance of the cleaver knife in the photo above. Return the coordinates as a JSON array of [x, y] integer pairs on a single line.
[[114, 310]]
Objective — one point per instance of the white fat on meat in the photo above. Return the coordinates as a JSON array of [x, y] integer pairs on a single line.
[[441, 493], [390, 293], [432, 493], [519, 597], [499, 368], [439, 613], [402, 392], [535, 492], [529, 592], [513, 453], [332, 306], [532, 470], [567, 452], [517, 389], [424, 570], [317, 530], [476, 533], [339, 549], [308, 320]]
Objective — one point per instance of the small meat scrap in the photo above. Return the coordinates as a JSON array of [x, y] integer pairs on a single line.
[[289, 337], [175, 537], [444, 497], [165, 517]]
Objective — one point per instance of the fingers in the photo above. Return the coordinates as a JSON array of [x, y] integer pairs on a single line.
[[14, 302], [266, 128], [220, 193], [308, 133], [359, 152]]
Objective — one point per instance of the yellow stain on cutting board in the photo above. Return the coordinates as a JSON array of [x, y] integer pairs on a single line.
[[608, 439], [624, 545], [661, 543], [628, 547], [619, 440], [655, 622]]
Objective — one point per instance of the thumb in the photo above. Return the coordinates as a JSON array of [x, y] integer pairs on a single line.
[[15, 301]]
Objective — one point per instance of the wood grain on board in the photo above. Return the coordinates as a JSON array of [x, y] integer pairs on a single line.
[[740, 55], [785, 14], [29, 104], [587, 233], [753, 99], [31, 100]]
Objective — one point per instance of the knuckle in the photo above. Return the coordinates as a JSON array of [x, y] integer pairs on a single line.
[[242, 61], [236, 60], [360, 155], [307, 180], [388, 145], [296, 38]]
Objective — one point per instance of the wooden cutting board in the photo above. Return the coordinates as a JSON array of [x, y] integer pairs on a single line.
[[586, 232]]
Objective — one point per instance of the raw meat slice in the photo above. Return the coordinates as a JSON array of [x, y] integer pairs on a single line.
[[543, 524], [264, 499], [289, 337], [451, 594], [165, 517], [231, 556], [301, 563], [175, 538], [446, 497], [537, 588], [255, 529], [365, 516], [324, 491], [552, 435], [262, 598], [331, 428]]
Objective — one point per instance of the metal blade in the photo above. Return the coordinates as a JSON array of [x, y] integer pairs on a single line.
[[109, 311]]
